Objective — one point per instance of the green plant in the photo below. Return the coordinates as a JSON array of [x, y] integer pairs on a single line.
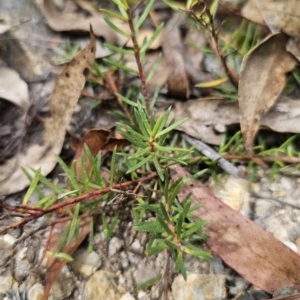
[[174, 227]]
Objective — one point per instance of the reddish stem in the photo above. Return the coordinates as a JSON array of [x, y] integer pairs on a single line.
[[136, 50], [35, 214]]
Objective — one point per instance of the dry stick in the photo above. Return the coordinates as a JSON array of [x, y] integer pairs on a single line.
[[271, 158], [39, 214], [297, 296], [136, 50], [213, 155]]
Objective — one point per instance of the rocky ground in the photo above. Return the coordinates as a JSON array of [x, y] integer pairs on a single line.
[[116, 267]]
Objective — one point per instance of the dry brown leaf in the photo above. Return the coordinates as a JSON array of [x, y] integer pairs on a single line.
[[98, 140], [13, 88], [252, 252], [251, 12], [14, 105], [281, 15], [63, 21], [55, 265], [262, 79], [172, 45], [207, 117], [40, 154]]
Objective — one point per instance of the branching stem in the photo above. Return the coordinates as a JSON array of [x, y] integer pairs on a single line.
[[38, 213]]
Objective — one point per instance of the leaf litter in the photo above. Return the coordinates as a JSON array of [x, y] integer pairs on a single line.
[[61, 106], [261, 83]]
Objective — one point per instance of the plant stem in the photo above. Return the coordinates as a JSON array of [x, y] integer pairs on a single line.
[[38, 213], [136, 50], [214, 42]]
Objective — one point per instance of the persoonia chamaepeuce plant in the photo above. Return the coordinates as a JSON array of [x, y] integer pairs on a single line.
[[172, 226]]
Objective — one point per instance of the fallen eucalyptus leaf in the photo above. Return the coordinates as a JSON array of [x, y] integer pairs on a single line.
[[40, 153], [55, 264], [205, 116], [252, 252], [281, 15], [64, 21], [262, 79]]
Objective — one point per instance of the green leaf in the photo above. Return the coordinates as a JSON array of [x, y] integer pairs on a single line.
[[126, 100], [112, 167], [171, 244], [134, 133], [74, 224], [140, 123], [149, 226], [144, 118], [46, 201], [69, 173], [195, 228], [60, 255], [164, 120], [84, 176], [133, 139], [145, 285], [181, 218], [114, 15], [63, 237], [164, 225], [158, 168], [191, 249], [115, 28], [122, 9], [63, 195], [138, 165], [156, 249], [174, 191], [32, 187], [118, 49], [120, 66], [170, 149], [152, 39], [30, 178], [139, 153], [157, 125], [121, 3], [143, 17], [154, 68], [171, 127], [95, 173], [164, 212], [179, 261]]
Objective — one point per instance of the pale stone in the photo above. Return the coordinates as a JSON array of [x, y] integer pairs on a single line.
[[100, 287], [115, 245], [36, 292], [62, 287], [199, 287], [127, 296], [5, 284], [6, 252], [86, 263]]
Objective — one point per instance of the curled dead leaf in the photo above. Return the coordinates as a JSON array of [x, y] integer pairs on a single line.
[[261, 81], [98, 140]]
